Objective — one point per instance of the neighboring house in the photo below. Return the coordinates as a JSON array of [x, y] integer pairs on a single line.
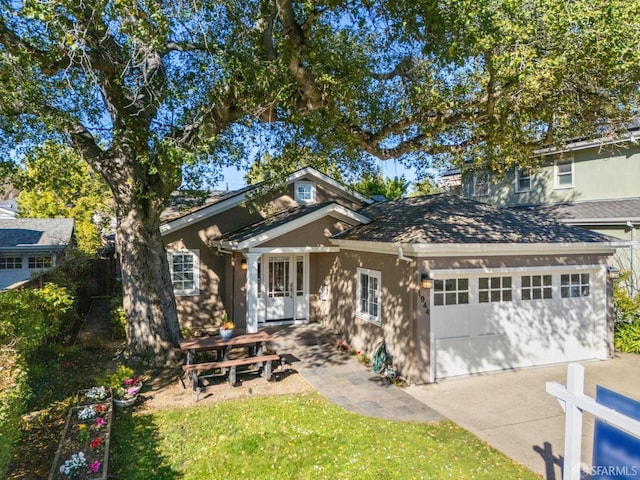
[[30, 246], [454, 286], [593, 184], [8, 209]]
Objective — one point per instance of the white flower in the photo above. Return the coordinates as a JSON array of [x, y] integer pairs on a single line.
[[86, 413], [74, 465], [96, 393]]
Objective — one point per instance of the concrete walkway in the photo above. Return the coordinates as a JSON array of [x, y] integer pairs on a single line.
[[312, 351], [510, 410]]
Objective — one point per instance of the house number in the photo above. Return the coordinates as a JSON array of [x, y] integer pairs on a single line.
[[423, 302]]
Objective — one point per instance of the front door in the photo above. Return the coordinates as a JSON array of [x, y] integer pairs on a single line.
[[284, 288]]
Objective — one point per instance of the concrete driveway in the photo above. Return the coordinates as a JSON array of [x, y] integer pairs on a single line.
[[512, 411]]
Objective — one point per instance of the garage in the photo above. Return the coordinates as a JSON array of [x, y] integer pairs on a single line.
[[484, 320]]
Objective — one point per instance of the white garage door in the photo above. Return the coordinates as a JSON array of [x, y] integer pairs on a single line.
[[483, 321]]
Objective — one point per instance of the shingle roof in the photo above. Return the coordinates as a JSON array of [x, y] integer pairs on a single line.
[[600, 211], [35, 232], [450, 219]]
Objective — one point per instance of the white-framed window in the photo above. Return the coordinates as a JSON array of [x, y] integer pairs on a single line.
[[43, 261], [495, 289], [575, 285], [451, 291], [185, 271], [523, 181], [368, 296], [305, 192], [10, 263], [481, 185], [536, 287], [563, 169]]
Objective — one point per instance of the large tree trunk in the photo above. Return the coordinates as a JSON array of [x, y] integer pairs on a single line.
[[152, 323]]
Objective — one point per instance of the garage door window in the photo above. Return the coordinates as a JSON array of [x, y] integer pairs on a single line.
[[369, 295], [494, 289], [574, 285], [452, 291], [536, 287]]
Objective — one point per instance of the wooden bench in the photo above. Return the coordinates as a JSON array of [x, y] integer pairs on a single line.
[[193, 369]]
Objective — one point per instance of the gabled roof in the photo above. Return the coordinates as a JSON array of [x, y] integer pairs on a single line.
[[285, 222], [592, 212], [450, 219], [239, 196], [35, 234]]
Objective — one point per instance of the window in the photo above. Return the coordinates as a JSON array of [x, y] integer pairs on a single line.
[[305, 192], [39, 262], [10, 263], [185, 272], [574, 285], [564, 173], [536, 287], [299, 276], [523, 181], [368, 306], [452, 291], [494, 289], [480, 184]]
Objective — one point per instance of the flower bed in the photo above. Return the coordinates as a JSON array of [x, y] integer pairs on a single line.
[[83, 451]]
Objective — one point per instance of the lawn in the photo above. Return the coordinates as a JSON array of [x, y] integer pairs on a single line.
[[295, 437]]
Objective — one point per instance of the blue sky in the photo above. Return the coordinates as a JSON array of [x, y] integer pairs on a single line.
[[234, 178]]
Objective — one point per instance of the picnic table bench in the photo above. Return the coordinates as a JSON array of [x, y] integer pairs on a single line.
[[254, 344]]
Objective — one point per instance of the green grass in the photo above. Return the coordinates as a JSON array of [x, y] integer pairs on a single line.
[[296, 437]]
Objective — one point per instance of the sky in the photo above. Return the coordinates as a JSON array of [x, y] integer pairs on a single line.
[[234, 178]]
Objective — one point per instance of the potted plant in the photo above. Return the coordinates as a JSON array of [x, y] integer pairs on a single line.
[[226, 329], [125, 386]]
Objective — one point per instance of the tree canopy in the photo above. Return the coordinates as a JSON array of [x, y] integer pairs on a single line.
[[154, 93]]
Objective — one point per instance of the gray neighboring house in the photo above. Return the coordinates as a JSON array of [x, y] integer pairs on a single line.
[[8, 209], [30, 246], [594, 184]]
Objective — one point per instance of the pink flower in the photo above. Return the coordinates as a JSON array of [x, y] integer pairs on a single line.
[[131, 381], [100, 421], [95, 466]]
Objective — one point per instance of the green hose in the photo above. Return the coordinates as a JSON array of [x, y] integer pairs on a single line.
[[379, 360]]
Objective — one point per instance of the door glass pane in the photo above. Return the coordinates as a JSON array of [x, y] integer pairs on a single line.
[[279, 277], [299, 276]]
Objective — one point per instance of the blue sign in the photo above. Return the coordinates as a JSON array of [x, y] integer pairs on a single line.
[[616, 454]]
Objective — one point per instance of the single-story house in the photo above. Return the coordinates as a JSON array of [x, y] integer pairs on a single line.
[[453, 286], [30, 246]]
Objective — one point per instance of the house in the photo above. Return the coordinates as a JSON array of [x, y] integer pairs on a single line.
[[454, 286], [8, 209], [29, 246], [591, 183]]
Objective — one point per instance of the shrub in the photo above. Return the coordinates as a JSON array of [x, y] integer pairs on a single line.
[[627, 336], [626, 306], [118, 319], [14, 394]]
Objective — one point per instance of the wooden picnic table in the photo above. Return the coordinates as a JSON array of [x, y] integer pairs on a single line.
[[253, 342]]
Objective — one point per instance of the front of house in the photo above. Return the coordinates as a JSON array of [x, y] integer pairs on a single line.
[[454, 286]]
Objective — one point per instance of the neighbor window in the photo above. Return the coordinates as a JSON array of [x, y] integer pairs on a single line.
[[494, 289], [574, 285], [185, 272], [480, 184], [564, 173], [305, 192], [536, 287], [10, 263], [451, 291], [368, 306], [523, 181], [39, 262]]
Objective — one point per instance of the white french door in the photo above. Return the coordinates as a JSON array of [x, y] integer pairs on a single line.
[[284, 287]]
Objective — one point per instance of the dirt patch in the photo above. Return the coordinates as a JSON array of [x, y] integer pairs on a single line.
[[165, 389]]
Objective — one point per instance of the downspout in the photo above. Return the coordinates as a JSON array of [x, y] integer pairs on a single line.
[[402, 257]]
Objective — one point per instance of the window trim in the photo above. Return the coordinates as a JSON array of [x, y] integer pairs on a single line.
[[440, 292], [583, 289], [556, 174], [499, 289], [11, 263], [476, 176], [532, 288], [40, 262], [375, 319], [195, 254], [520, 175], [312, 192]]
